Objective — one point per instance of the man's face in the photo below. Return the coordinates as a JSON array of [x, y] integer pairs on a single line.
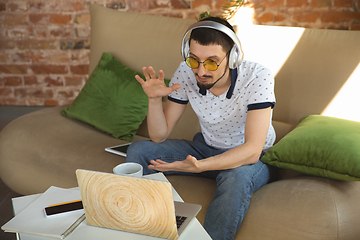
[[206, 78]]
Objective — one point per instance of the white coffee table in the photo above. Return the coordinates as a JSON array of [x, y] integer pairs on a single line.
[[85, 231]]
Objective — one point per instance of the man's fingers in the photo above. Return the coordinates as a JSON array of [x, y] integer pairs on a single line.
[[157, 161], [149, 73], [146, 73], [161, 75], [152, 72], [139, 79], [175, 87]]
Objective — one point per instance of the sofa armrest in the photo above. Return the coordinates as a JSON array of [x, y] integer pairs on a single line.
[[44, 148]]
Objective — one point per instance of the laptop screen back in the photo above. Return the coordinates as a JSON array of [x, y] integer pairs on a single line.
[[129, 204]]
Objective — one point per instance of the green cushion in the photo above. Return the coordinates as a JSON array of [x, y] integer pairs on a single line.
[[111, 100], [320, 146]]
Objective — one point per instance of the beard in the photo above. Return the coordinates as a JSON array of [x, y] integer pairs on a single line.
[[205, 86]]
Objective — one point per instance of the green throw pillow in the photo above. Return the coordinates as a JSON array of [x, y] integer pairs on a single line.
[[320, 146], [111, 100]]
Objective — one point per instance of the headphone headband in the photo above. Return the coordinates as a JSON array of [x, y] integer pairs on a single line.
[[236, 54]]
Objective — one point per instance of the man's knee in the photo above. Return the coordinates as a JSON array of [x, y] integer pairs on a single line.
[[140, 152], [137, 147], [246, 178], [231, 181]]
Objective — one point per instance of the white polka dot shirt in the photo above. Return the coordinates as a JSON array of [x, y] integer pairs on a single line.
[[222, 120]]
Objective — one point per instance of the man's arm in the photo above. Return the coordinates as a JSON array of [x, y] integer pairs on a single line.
[[256, 129], [160, 119]]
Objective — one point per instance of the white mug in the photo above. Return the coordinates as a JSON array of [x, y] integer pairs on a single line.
[[129, 169]]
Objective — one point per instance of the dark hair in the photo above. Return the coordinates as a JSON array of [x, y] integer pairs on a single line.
[[208, 36]]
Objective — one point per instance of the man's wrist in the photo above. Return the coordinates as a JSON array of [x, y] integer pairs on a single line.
[[201, 165], [155, 99]]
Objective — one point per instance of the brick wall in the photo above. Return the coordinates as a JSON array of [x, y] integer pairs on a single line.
[[44, 45], [328, 14]]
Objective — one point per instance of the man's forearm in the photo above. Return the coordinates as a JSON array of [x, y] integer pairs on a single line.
[[163, 118], [156, 121], [242, 155]]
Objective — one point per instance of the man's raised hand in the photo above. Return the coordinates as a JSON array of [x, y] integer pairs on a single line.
[[155, 87]]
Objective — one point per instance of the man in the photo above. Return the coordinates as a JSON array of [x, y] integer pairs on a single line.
[[234, 107]]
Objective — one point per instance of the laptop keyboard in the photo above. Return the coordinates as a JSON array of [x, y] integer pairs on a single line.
[[180, 220]]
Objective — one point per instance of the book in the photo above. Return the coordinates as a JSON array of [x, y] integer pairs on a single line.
[[32, 219]]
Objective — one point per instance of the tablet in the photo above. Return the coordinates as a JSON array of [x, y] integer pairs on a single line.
[[119, 149]]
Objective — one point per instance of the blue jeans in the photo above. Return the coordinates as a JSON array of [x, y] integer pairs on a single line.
[[234, 186]]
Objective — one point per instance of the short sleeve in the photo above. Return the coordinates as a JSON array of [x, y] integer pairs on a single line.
[[182, 77], [260, 91]]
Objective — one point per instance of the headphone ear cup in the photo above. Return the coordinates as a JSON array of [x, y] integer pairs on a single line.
[[185, 49], [236, 56], [234, 60]]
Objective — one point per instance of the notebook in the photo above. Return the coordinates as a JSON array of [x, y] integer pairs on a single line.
[[32, 219], [130, 204]]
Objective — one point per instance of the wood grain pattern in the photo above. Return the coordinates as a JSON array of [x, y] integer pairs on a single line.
[[128, 204]]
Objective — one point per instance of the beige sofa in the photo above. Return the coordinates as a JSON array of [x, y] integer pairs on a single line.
[[45, 148]]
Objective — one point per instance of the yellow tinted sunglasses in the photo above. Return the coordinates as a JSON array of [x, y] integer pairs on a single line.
[[209, 64]]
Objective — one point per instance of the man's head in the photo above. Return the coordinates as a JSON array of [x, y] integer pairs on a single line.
[[207, 52], [209, 36], [203, 56]]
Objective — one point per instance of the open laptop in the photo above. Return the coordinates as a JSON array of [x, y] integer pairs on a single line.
[[137, 205]]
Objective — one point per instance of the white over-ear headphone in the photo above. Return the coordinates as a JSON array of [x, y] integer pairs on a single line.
[[236, 55]]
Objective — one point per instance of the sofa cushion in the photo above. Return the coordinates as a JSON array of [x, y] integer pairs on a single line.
[[111, 100], [320, 146]]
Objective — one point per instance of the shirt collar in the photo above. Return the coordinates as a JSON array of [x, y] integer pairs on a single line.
[[232, 85]]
